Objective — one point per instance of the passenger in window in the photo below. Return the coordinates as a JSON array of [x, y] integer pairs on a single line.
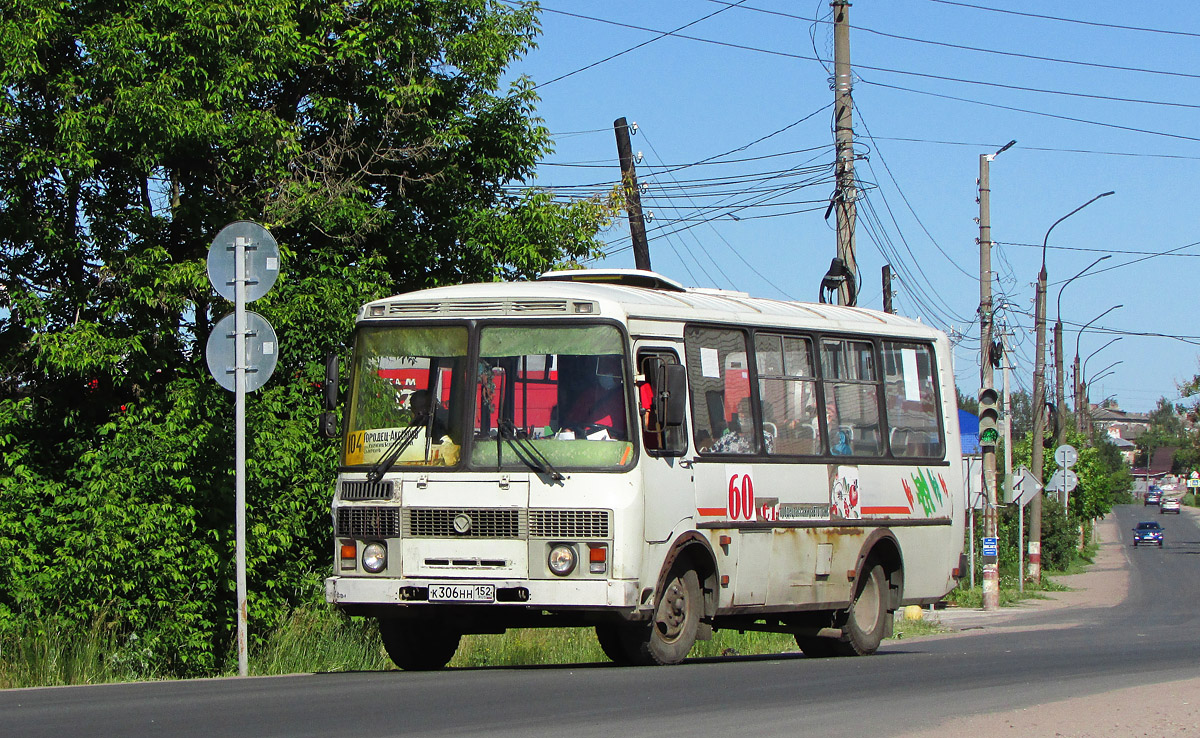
[[598, 412], [842, 447]]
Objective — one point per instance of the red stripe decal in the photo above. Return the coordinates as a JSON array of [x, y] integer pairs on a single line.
[[719, 511], [886, 511]]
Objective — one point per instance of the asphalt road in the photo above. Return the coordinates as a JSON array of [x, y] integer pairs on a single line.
[[907, 686]]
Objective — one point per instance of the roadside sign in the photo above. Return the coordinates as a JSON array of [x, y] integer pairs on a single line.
[[1193, 482], [1025, 486], [262, 352], [1063, 480], [261, 261], [991, 546], [1066, 455]]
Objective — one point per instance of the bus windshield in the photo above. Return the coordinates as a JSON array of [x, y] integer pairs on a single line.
[[543, 397], [554, 393], [406, 396]]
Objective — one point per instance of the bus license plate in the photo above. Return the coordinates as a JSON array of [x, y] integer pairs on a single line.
[[462, 593]]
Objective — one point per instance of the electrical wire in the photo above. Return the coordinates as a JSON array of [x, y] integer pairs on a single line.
[[663, 34], [1069, 20]]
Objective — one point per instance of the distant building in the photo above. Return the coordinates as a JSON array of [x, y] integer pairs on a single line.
[[1119, 424]]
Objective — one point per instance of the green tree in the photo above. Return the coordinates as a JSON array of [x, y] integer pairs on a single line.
[[371, 136]]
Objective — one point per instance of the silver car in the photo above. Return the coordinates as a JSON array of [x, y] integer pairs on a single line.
[[1169, 505]]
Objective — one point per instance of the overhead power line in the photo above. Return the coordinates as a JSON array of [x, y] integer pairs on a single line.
[[1077, 21]]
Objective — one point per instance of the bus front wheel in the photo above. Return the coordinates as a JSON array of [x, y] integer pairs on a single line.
[[415, 645], [669, 637]]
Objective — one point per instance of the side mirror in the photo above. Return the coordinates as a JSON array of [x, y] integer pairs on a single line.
[[331, 382], [327, 425], [674, 396]]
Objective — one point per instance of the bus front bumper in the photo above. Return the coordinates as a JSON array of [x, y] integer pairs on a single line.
[[569, 593]]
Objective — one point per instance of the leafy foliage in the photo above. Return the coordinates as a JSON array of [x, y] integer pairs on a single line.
[[373, 140]]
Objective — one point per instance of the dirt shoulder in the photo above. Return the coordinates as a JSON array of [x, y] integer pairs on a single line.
[[1123, 712]]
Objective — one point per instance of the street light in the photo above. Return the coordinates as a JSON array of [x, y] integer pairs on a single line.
[[1060, 390], [1039, 402], [1058, 312], [1068, 215], [1089, 356], [1081, 403]]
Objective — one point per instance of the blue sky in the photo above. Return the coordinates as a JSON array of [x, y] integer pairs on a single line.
[[734, 125]]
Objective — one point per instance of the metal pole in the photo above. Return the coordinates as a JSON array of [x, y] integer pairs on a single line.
[[1008, 472], [239, 322]]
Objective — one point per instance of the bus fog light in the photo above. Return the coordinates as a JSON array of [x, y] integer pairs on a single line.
[[374, 557], [561, 559]]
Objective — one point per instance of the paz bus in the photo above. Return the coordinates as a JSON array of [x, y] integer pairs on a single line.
[[610, 449]]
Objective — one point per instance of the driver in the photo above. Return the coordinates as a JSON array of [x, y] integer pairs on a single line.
[[602, 402]]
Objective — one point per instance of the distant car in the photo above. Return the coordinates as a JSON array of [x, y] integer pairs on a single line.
[[1153, 497], [1148, 531], [1169, 505]]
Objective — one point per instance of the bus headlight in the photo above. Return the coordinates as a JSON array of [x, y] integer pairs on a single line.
[[561, 559], [374, 557]]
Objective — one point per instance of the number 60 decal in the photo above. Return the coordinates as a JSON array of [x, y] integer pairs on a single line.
[[741, 496]]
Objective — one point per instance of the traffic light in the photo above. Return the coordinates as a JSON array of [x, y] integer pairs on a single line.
[[989, 417]]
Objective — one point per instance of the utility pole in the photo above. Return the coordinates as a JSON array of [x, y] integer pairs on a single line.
[[991, 571], [887, 288], [1079, 393], [1039, 400], [843, 126], [1039, 429], [1060, 428], [633, 197]]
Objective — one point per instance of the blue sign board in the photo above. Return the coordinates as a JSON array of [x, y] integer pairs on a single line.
[[991, 546]]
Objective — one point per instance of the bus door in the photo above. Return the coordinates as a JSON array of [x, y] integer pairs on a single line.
[[666, 482]]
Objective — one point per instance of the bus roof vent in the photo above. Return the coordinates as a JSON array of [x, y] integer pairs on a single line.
[[624, 277], [472, 307]]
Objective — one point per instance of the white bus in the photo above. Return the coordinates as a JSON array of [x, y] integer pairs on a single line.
[[612, 450]]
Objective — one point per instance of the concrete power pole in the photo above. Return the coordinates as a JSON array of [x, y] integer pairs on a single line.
[[843, 125], [633, 197], [1060, 389], [991, 571], [1039, 429]]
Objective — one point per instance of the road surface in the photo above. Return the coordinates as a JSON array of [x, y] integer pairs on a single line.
[[1128, 625]]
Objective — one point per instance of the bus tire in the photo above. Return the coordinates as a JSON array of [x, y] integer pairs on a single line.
[[613, 642], [669, 637], [417, 645], [816, 647], [866, 620]]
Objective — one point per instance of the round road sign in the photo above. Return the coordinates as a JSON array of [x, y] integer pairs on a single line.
[[262, 260]]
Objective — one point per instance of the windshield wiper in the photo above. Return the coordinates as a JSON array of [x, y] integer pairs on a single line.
[[528, 452], [397, 447]]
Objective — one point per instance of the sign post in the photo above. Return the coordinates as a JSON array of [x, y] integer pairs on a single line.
[[243, 264], [1024, 487], [1065, 456]]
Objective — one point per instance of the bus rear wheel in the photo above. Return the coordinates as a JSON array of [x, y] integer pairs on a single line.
[[415, 645], [866, 620], [669, 637]]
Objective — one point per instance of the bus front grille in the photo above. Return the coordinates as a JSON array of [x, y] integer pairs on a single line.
[[569, 524], [368, 522], [464, 523], [364, 490]]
